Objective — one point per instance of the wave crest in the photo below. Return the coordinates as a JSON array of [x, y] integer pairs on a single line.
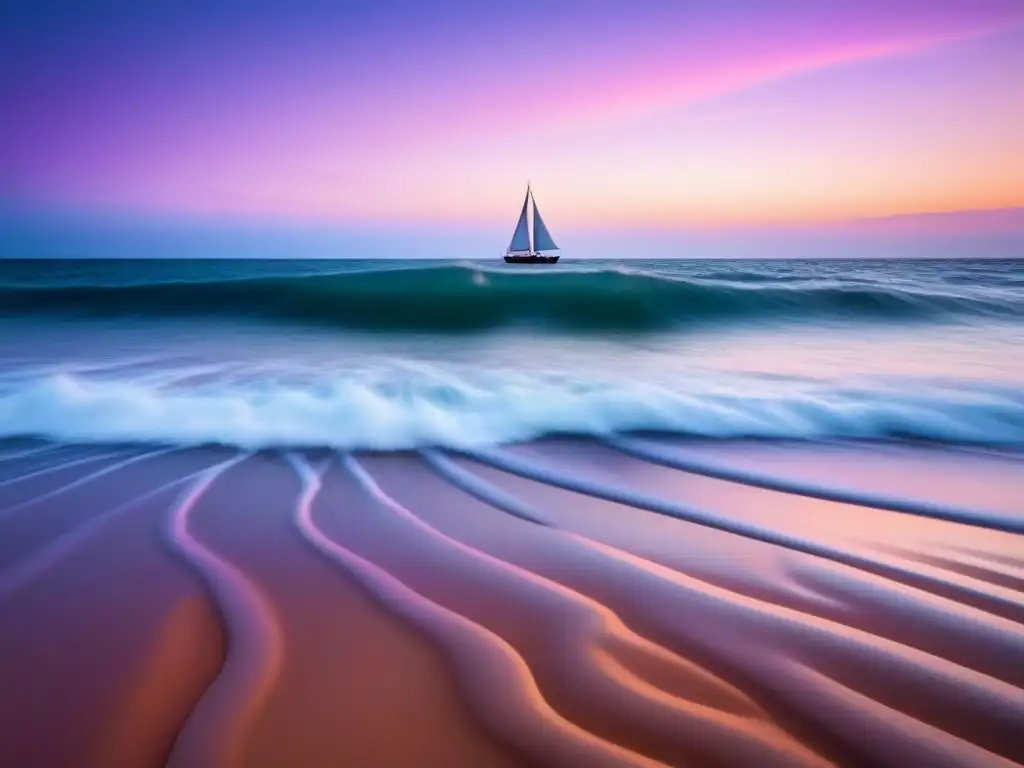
[[398, 411], [463, 298]]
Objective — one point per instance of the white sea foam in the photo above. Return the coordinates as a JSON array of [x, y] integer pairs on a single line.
[[406, 409]]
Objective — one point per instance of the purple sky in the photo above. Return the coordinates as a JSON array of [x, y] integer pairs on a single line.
[[655, 114]]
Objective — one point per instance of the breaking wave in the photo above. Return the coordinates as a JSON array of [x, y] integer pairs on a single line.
[[457, 298], [394, 412]]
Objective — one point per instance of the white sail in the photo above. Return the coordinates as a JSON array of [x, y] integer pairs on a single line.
[[521, 237], [542, 240]]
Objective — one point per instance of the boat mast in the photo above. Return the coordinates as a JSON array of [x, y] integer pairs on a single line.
[[529, 199]]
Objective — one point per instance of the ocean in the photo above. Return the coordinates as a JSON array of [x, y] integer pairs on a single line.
[[660, 513], [401, 354]]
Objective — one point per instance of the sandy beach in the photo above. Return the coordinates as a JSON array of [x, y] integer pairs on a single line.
[[562, 602]]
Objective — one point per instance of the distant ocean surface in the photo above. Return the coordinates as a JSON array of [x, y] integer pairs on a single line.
[[395, 354]]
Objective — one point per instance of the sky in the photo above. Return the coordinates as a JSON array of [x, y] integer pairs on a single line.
[[655, 114]]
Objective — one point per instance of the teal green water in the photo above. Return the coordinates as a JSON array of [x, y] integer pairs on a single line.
[[365, 353]]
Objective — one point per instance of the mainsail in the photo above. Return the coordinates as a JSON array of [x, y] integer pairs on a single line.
[[521, 237], [542, 240], [525, 241]]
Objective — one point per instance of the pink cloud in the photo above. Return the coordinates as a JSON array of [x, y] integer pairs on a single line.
[[332, 123]]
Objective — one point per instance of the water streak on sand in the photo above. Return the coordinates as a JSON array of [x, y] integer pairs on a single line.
[[995, 642], [1006, 574], [966, 635], [78, 482], [88, 459], [574, 643], [876, 672], [54, 551], [962, 589], [485, 664], [671, 457], [215, 732], [607, 671]]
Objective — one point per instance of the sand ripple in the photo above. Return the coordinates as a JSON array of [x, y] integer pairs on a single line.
[[215, 732], [766, 628]]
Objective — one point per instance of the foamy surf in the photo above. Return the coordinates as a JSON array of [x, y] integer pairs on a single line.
[[401, 409]]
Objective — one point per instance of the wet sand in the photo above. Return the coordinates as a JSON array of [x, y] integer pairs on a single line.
[[578, 603]]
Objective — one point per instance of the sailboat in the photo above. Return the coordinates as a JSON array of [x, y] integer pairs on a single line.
[[528, 244]]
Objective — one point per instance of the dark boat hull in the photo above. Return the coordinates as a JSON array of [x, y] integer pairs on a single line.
[[533, 258]]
